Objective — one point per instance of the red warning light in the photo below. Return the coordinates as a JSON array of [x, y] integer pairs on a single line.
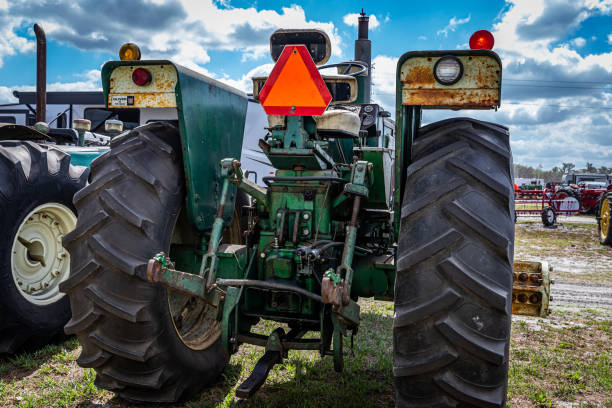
[[295, 86], [482, 39], [141, 76]]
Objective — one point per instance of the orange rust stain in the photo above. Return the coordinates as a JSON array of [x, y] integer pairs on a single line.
[[419, 75], [160, 100], [527, 266], [485, 78], [454, 97], [525, 309], [164, 85]]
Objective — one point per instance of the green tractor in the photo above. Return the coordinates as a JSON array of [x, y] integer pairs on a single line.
[[177, 254]]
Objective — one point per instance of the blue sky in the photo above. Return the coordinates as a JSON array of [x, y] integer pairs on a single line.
[[557, 55]]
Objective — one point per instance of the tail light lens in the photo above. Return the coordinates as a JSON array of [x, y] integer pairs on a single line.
[[141, 76], [482, 39], [448, 70]]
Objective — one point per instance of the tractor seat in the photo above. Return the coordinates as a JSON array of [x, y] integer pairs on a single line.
[[339, 122]]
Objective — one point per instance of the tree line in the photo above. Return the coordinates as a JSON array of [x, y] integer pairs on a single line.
[[556, 173]]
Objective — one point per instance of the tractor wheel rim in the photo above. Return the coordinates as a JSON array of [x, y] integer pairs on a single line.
[[604, 222], [194, 320], [39, 263]]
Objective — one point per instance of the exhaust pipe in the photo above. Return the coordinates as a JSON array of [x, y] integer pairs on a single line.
[[41, 74], [363, 53]]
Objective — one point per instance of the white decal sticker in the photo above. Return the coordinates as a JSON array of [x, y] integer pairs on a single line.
[[122, 100]]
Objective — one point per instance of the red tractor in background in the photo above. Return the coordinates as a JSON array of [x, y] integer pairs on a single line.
[[584, 187]]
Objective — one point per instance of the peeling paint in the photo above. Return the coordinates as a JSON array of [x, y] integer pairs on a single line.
[[159, 93]]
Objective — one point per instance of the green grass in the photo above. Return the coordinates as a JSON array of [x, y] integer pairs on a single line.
[[50, 377], [306, 380], [551, 364], [548, 364]]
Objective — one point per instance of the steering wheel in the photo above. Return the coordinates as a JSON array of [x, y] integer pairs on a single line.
[[349, 65]]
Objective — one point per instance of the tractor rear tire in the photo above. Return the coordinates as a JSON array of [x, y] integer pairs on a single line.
[[604, 218], [453, 288], [123, 322], [36, 189]]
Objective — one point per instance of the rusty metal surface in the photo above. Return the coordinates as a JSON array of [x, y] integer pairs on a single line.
[[159, 93], [145, 100], [479, 87], [186, 283], [336, 295], [531, 288]]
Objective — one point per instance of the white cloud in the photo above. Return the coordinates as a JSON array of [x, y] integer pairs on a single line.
[[6, 95], [241, 28], [10, 42], [453, 24], [183, 30], [421, 37], [245, 83], [352, 19], [578, 42], [550, 122], [553, 99], [383, 81], [609, 38]]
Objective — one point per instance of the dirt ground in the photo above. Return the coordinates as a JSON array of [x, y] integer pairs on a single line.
[[582, 268]]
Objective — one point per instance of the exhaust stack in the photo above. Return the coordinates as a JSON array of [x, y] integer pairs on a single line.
[[41, 73], [363, 53]]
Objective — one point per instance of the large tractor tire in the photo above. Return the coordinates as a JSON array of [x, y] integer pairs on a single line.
[[146, 343], [453, 288], [36, 189], [604, 218]]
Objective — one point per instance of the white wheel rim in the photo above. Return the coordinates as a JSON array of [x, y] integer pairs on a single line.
[[550, 215], [39, 263]]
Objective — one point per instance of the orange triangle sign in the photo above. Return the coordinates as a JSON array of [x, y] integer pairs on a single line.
[[295, 86]]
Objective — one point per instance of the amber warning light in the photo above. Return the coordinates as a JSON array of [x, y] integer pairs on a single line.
[[295, 86], [482, 39], [129, 52]]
